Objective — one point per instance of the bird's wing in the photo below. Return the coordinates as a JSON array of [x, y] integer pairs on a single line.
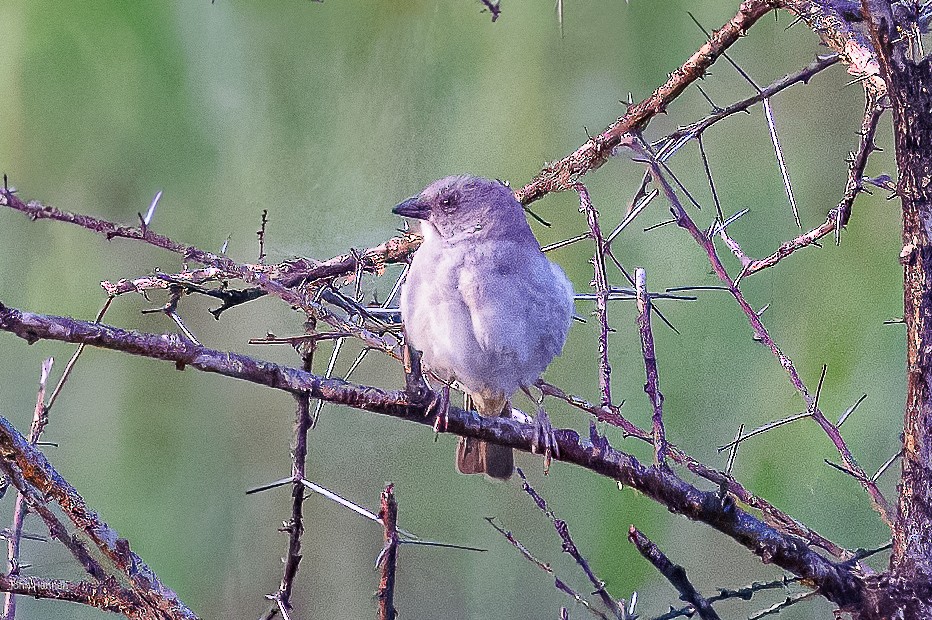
[[519, 305]]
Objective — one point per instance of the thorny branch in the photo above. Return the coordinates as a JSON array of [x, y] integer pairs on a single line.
[[822, 17], [837, 217], [771, 514], [652, 375], [674, 573], [684, 221], [616, 607], [837, 582], [388, 513], [39, 421], [106, 595], [724, 594], [596, 151], [600, 282], [275, 279], [295, 526], [34, 477]]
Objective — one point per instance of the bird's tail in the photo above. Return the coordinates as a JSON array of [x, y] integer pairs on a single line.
[[474, 456]]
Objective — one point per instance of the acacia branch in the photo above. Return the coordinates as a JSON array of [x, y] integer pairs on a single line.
[[771, 514], [294, 527], [388, 513], [838, 216], [39, 421], [878, 501], [38, 481], [674, 573], [600, 283], [652, 375], [822, 16], [106, 595], [836, 581], [270, 278], [598, 149]]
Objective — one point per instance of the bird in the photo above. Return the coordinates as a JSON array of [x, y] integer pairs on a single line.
[[483, 305]]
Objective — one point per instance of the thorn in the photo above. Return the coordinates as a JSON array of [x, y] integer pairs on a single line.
[[147, 219]]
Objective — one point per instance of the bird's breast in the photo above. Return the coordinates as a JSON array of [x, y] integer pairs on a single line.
[[492, 315]]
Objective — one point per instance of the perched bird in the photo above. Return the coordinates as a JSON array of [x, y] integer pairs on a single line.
[[482, 303]]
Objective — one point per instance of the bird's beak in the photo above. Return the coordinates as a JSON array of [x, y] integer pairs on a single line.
[[413, 207]]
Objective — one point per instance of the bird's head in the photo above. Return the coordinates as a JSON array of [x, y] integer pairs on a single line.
[[458, 207]]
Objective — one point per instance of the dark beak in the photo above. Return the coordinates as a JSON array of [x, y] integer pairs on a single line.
[[413, 207]]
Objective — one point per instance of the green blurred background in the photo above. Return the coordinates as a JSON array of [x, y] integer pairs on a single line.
[[327, 115]]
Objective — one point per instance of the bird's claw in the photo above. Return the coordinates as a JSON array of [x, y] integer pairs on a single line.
[[545, 441], [415, 386], [441, 407]]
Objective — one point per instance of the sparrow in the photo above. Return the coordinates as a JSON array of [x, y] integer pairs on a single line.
[[483, 305]]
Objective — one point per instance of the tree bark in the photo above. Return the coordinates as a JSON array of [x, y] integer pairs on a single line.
[[906, 592]]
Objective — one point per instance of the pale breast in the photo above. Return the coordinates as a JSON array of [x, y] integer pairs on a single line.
[[493, 317]]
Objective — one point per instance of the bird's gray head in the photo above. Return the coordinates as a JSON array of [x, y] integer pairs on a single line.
[[460, 207]]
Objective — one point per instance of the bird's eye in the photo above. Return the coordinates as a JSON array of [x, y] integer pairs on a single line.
[[448, 203]]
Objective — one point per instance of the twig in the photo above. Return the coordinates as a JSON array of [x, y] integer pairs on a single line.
[[106, 595], [596, 151], [610, 414], [652, 381], [744, 593], [294, 527], [778, 607], [29, 471], [74, 360], [616, 607], [39, 421], [878, 501], [495, 8], [388, 512], [600, 282], [674, 573], [838, 216], [261, 234], [558, 583]]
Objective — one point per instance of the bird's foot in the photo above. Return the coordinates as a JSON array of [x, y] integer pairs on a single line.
[[415, 386], [545, 442], [441, 408]]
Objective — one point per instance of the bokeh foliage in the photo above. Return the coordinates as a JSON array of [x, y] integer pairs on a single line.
[[327, 115]]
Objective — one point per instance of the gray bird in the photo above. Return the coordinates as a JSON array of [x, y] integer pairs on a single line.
[[483, 304]]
